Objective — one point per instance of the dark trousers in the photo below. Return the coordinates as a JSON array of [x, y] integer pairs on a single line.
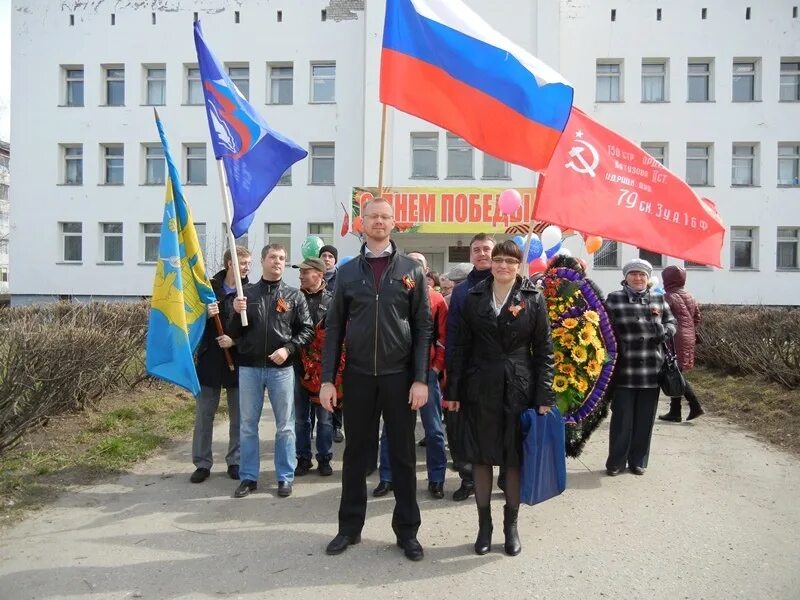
[[366, 397], [633, 412], [464, 468]]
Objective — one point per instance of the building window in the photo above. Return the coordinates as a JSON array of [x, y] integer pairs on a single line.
[[790, 81], [242, 240], [744, 81], [459, 158], [698, 163], [73, 80], [657, 151], [3, 274], [196, 164], [279, 233], [655, 259], [688, 264], [323, 82], [115, 86], [281, 84], [114, 159], [240, 76], [744, 165], [609, 81], [286, 178], [202, 239], [788, 248], [73, 164], [71, 242], [3, 248], [151, 239], [654, 81], [155, 167], [194, 86], [322, 163], [788, 164], [323, 231], [699, 84], [156, 86], [494, 168], [743, 244], [425, 155], [111, 235], [607, 256]]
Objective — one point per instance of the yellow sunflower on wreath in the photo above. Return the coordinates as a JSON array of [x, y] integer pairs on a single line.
[[580, 354], [586, 334], [592, 317], [582, 386], [567, 369], [593, 368], [570, 323], [559, 383]]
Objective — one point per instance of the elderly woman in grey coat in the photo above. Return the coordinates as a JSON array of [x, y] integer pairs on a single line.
[[642, 321]]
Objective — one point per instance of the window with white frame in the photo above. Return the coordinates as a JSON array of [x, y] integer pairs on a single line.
[[279, 233], [73, 85], [788, 164], [654, 80], [700, 73], [698, 164], [156, 85], [788, 248], [111, 240], [322, 163], [459, 158], [202, 240], [3, 248], [71, 242], [790, 80], [688, 264], [324, 231], [743, 165], [73, 164], [607, 256], [196, 164], [286, 178], [654, 258], [745, 81], [115, 85], [657, 150], [240, 76], [281, 84], [608, 81], [194, 86], [743, 247], [151, 239], [323, 82], [155, 166], [114, 164], [494, 168], [3, 274], [425, 155]]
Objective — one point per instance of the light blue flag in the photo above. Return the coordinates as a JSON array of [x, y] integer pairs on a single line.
[[181, 289]]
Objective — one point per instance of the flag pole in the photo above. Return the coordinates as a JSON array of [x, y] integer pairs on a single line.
[[523, 265], [383, 151], [226, 204]]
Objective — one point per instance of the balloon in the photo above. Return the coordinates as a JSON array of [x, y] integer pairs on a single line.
[[311, 246], [537, 266], [593, 243], [551, 252], [358, 225], [654, 281], [551, 236], [519, 241], [509, 202], [344, 260], [660, 290], [536, 248]]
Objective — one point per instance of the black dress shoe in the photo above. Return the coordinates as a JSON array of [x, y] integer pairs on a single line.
[[284, 489], [465, 491], [384, 487], [613, 472], [233, 471], [200, 475], [244, 489], [340, 543], [436, 489], [637, 470], [411, 548]]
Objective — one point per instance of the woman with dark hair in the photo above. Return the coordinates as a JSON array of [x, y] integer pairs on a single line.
[[433, 280], [502, 364]]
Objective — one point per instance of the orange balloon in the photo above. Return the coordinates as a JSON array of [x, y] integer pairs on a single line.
[[593, 243]]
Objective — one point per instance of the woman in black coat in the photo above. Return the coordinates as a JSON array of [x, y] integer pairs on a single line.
[[502, 364]]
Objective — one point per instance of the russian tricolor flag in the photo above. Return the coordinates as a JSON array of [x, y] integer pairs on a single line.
[[441, 62]]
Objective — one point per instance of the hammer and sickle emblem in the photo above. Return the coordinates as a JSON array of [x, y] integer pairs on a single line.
[[584, 166]]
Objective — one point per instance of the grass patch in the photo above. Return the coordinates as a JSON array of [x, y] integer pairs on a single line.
[[768, 409], [117, 451]]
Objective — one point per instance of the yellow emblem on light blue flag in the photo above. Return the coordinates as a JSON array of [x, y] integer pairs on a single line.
[[181, 289]]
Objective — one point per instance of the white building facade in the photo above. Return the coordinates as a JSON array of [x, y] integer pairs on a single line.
[[5, 223], [711, 87]]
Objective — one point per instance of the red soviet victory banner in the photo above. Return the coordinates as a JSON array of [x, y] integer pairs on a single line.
[[600, 183]]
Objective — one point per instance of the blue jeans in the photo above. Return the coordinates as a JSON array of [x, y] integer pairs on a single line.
[[303, 408], [279, 384], [431, 416]]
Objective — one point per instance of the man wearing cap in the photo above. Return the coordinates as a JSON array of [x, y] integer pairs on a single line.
[[642, 321], [312, 284], [330, 256]]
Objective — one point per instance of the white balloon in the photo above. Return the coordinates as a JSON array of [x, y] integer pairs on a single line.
[[550, 236], [654, 281]]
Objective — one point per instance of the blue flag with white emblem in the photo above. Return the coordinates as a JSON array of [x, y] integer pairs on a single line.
[[254, 155]]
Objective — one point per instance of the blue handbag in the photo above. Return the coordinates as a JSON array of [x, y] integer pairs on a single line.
[[544, 461]]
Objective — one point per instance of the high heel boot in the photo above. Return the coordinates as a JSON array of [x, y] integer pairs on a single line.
[[483, 543], [512, 546]]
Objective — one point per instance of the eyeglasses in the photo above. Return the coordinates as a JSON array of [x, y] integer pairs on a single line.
[[382, 217], [498, 260]]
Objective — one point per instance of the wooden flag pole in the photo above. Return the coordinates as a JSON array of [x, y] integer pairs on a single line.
[[523, 266], [221, 331], [226, 204], [382, 152]]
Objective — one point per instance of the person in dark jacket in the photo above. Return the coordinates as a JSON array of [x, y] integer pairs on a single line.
[[278, 325], [330, 256], [642, 321], [380, 311], [214, 374], [502, 364], [687, 313]]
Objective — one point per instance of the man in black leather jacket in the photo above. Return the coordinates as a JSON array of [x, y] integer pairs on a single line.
[[278, 325], [380, 311]]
